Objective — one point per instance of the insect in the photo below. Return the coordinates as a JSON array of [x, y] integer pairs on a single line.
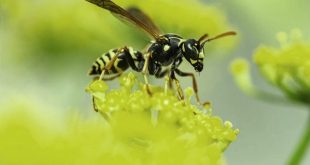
[[162, 57]]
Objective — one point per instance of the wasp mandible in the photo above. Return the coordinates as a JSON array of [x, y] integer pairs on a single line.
[[162, 57]]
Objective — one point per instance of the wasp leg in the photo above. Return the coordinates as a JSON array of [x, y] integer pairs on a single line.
[[144, 71], [177, 84], [131, 59], [104, 114], [168, 84], [108, 78], [145, 48], [107, 68], [105, 79], [94, 104], [111, 63], [161, 74], [184, 74], [112, 77]]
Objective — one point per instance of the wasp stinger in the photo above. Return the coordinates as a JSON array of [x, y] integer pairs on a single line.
[[166, 51]]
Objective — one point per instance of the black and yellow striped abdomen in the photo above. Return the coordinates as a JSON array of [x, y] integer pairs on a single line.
[[119, 65], [126, 58]]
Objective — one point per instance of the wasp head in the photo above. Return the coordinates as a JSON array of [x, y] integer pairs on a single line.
[[193, 53], [193, 49]]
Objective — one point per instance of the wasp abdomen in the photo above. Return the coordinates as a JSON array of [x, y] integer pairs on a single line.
[[118, 66], [126, 57]]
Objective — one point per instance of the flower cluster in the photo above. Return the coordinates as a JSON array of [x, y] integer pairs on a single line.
[[287, 67], [140, 130], [160, 126]]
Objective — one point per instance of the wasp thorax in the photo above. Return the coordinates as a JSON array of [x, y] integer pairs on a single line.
[[193, 53]]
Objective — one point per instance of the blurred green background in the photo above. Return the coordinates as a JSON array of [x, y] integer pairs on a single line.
[[47, 47]]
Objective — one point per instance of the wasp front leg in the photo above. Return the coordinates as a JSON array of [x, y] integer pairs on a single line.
[[194, 83]]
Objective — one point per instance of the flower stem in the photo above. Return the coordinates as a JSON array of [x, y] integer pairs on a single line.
[[302, 147]]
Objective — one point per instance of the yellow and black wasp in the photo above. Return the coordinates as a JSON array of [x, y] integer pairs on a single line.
[[166, 51]]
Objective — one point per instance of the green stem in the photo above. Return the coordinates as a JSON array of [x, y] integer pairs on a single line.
[[302, 147]]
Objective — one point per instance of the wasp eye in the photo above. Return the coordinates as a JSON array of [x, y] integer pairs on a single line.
[[195, 50], [190, 49]]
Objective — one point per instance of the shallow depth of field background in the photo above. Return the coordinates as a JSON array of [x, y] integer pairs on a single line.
[[48, 67]]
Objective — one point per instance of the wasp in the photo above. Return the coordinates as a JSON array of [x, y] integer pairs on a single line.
[[162, 57]]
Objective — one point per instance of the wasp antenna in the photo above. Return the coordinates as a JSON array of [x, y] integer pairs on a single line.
[[203, 37], [229, 33]]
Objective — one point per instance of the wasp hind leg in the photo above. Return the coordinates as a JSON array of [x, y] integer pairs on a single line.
[[108, 78], [107, 68], [110, 64], [104, 114], [105, 79]]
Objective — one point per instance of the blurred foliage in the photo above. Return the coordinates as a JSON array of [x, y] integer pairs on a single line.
[[286, 68], [65, 29]]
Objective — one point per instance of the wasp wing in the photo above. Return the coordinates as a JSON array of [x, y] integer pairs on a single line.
[[144, 18], [124, 15]]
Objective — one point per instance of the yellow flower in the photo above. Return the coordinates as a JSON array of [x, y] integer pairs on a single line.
[[287, 67], [161, 126], [141, 130]]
